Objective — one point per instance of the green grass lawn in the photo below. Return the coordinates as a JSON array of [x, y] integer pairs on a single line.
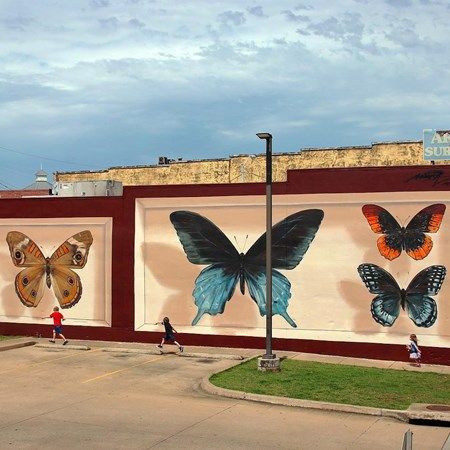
[[3, 338], [383, 388]]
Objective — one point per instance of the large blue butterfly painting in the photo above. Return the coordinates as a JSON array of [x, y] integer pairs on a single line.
[[204, 243], [385, 308]]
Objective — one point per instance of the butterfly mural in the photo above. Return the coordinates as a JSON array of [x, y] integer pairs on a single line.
[[415, 299], [55, 270], [411, 238], [205, 244]]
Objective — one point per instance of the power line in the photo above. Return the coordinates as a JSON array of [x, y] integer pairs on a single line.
[[42, 157], [5, 185]]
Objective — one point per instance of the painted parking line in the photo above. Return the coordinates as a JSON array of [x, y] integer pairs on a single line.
[[122, 370], [71, 355]]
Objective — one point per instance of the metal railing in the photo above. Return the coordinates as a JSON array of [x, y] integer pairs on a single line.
[[407, 441]]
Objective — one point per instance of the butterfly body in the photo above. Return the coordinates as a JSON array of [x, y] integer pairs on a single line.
[[412, 238], [403, 298], [415, 299], [48, 270], [242, 273], [55, 271]]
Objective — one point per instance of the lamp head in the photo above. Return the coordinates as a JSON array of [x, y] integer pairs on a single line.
[[264, 135]]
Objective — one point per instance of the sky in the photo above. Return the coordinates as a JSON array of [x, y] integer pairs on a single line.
[[92, 84]]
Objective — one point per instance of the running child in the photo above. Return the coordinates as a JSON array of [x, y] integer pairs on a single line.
[[169, 335], [414, 352], [57, 324]]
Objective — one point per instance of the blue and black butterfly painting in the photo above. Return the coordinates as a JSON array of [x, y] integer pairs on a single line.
[[205, 244], [415, 299]]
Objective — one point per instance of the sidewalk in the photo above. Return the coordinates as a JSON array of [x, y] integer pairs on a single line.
[[222, 353], [238, 355]]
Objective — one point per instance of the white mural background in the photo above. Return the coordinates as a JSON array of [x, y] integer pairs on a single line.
[[94, 307], [329, 301]]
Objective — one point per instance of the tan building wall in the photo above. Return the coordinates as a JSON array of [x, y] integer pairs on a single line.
[[251, 168]]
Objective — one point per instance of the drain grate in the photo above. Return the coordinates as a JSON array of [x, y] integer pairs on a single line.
[[438, 408]]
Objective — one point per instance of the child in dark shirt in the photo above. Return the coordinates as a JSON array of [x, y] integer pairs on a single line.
[[169, 334], [57, 324]]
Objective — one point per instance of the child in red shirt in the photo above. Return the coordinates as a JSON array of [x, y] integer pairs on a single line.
[[57, 326]]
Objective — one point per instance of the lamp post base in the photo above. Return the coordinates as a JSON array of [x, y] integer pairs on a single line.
[[269, 364]]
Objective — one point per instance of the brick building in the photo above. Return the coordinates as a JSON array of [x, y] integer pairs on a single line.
[[251, 168]]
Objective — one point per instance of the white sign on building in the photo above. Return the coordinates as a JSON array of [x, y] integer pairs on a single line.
[[436, 145]]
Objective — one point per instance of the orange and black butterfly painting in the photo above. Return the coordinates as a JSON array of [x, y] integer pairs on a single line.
[[411, 238], [54, 271]]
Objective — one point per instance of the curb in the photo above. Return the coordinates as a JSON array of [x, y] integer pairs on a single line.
[[208, 387], [183, 355], [3, 348], [426, 411], [138, 351], [212, 356], [65, 347]]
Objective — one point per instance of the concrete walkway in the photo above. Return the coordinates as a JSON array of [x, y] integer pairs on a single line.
[[223, 353], [132, 397]]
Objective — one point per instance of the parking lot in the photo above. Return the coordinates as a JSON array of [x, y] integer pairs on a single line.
[[68, 398]]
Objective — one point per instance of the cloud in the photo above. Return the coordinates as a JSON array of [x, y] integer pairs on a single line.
[[347, 28], [100, 3], [190, 79], [405, 35], [399, 3], [17, 22], [256, 11], [307, 7], [136, 23], [110, 23], [229, 18], [292, 17]]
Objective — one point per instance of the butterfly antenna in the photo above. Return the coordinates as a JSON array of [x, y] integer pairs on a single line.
[[245, 243], [406, 220], [238, 246]]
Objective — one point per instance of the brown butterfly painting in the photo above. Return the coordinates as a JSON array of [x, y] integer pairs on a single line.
[[56, 271]]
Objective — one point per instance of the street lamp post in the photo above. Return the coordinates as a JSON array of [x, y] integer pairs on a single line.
[[268, 362]]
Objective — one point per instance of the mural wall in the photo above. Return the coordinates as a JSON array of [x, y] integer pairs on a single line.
[[371, 270], [360, 259], [47, 263]]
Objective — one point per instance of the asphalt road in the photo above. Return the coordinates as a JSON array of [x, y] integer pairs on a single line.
[[84, 400]]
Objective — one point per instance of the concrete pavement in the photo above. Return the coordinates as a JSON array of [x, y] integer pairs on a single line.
[[53, 397]]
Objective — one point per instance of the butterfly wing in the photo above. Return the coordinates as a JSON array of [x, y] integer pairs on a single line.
[[381, 221], [291, 238], [23, 250], [66, 286], [385, 307], [281, 292], [214, 286], [29, 283], [71, 254], [428, 220], [204, 243], [421, 308]]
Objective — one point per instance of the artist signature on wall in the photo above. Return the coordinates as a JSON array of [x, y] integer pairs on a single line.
[[435, 177]]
